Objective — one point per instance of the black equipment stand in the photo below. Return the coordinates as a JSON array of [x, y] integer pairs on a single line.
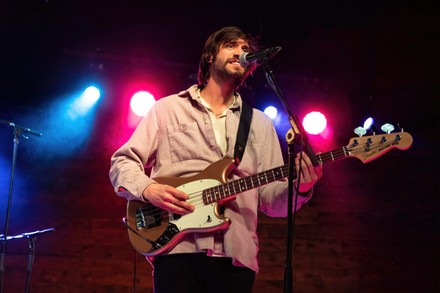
[[32, 237], [299, 143], [18, 131]]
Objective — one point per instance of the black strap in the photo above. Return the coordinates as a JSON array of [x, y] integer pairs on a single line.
[[243, 132]]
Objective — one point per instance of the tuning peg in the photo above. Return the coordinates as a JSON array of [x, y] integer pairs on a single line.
[[387, 127], [360, 131]]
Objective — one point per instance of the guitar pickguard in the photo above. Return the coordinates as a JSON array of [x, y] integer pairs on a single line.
[[204, 216]]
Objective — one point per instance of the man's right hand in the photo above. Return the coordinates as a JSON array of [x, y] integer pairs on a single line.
[[168, 198]]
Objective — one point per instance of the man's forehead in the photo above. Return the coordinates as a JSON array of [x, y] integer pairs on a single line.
[[238, 42], [242, 41]]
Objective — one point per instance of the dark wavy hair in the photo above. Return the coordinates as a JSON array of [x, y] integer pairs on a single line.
[[212, 46]]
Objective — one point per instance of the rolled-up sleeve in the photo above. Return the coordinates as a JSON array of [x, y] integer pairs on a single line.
[[127, 170]]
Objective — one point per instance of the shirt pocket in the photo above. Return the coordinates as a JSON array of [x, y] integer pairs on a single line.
[[186, 142], [257, 154]]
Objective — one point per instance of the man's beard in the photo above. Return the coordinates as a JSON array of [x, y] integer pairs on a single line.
[[225, 73]]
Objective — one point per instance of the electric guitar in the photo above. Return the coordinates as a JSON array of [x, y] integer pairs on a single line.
[[153, 231]]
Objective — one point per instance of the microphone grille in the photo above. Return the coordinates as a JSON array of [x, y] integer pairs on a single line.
[[242, 59]]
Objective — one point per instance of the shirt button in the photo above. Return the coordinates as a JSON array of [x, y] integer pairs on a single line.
[[180, 127], [206, 121]]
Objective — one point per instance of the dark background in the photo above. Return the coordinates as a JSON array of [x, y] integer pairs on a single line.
[[369, 228]]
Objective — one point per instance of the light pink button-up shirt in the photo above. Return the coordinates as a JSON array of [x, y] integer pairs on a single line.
[[176, 138]]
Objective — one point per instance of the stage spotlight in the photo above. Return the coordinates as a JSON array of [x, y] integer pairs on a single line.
[[92, 94], [271, 111], [84, 102], [368, 123], [314, 123], [141, 102]]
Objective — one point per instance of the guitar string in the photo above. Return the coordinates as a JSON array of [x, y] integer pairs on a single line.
[[196, 198]]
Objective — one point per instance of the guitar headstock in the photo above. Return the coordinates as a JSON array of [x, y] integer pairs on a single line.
[[368, 148]]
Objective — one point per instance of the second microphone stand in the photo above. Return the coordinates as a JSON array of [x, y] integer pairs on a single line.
[[32, 237]]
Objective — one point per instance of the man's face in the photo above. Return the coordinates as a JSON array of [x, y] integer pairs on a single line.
[[226, 62]]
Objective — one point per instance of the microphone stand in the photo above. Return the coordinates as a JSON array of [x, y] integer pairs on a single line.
[[301, 140], [32, 236], [18, 131]]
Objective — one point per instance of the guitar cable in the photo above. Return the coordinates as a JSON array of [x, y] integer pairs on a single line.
[[125, 221], [134, 270], [153, 243]]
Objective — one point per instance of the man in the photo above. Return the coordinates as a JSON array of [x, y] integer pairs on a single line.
[[181, 136]]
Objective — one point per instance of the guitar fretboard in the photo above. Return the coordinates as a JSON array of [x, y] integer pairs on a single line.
[[237, 186]]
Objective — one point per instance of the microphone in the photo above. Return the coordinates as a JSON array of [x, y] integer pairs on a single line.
[[247, 58]]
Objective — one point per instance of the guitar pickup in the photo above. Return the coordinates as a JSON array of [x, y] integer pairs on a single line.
[[145, 220]]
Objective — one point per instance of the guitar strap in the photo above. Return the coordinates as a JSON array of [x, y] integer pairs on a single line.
[[243, 132]]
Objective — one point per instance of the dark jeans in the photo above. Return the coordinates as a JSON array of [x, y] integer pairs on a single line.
[[198, 273]]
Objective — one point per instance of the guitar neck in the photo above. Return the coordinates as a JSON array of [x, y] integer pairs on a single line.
[[366, 149], [234, 187]]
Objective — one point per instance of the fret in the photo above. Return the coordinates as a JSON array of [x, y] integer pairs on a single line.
[[205, 196], [217, 193], [227, 191], [344, 149], [275, 176], [212, 194], [242, 185], [252, 182], [222, 191], [233, 185], [320, 158]]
